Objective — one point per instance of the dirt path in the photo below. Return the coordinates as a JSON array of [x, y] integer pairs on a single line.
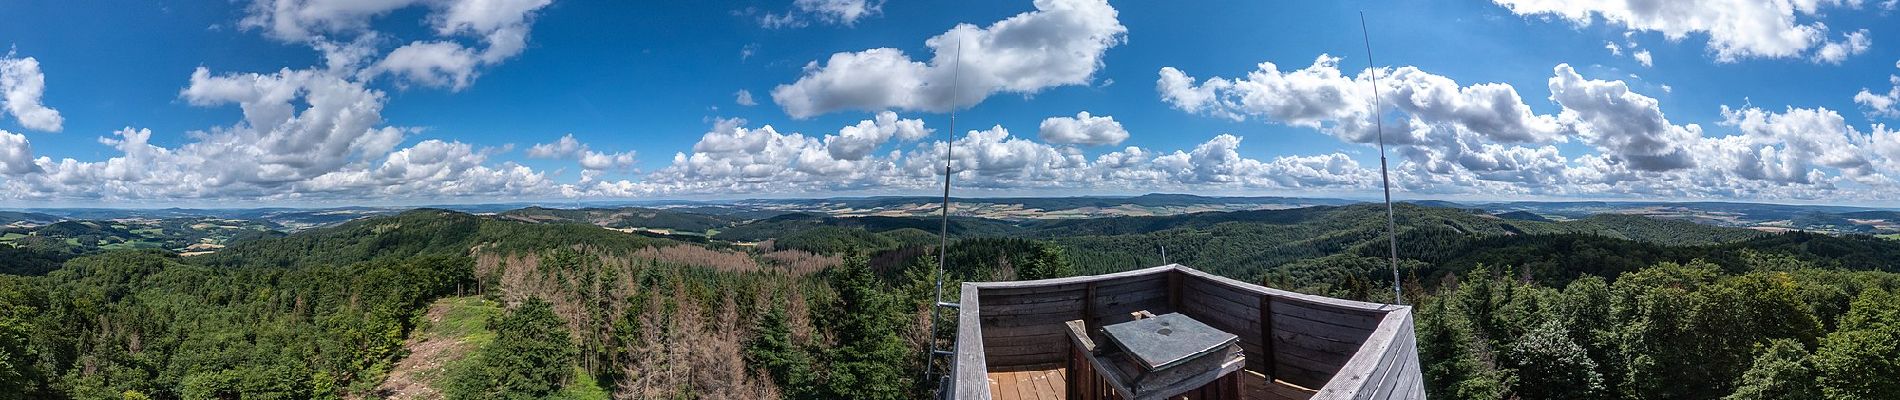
[[429, 353]]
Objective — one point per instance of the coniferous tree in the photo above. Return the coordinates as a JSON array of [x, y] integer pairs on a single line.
[[532, 357], [773, 349], [870, 361]]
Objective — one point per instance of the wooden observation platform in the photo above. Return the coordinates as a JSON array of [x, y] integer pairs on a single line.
[[1077, 338]]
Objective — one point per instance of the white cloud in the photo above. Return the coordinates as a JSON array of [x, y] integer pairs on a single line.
[[839, 12], [591, 161], [1790, 144], [16, 154], [856, 141], [1736, 29], [302, 20], [1320, 96], [1881, 105], [733, 159], [1083, 129], [297, 124], [1854, 43], [1614, 50], [566, 147], [744, 97], [1627, 126], [1061, 43], [436, 64], [445, 61], [21, 87], [1444, 145], [1642, 57]]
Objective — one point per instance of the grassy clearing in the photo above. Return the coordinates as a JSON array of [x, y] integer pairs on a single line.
[[446, 343], [583, 388]]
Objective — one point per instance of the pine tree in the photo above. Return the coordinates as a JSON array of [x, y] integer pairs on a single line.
[[871, 360], [532, 357], [774, 350]]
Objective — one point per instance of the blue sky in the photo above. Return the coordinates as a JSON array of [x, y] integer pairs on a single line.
[[427, 101]]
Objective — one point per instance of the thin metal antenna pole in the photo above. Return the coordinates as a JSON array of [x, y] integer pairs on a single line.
[[943, 227], [1391, 225]]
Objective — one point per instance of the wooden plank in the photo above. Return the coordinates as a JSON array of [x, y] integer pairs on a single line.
[[1337, 316], [1034, 297], [1301, 340], [1392, 376], [1320, 329], [1001, 333], [1140, 283], [1300, 361], [1031, 319], [1104, 298], [1008, 287], [1000, 310], [1051, 344], [1303, 377], [1047, 382], [1387, 375], [1351, 378], [1119, 313], [1277, 293], [970, 370], [1019, 360]]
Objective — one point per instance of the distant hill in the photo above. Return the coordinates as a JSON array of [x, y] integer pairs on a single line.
[[420, 232], [30, 218], [788, 224], [626, 217], [1522, 216]]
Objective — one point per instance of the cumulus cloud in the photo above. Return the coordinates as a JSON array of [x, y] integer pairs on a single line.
[[1878, 105], [733, 158], [16, 155], [1736, 29], [297, 124], [592, 162], [1321, 96], [1083, 129], [839, 12], [1061, 43], [1854, 43], [1625, 125], [1443, 147], [445, 61], [856, 141], [744, 97], [21, 86], [1642, 57]]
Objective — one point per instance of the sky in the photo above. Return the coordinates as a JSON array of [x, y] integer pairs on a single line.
[[389, 102]]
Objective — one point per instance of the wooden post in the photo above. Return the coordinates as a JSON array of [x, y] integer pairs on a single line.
[[1266, 339], [1174, 289], [1088, 309]]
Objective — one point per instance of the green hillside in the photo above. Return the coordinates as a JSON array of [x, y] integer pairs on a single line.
[[626, 217]]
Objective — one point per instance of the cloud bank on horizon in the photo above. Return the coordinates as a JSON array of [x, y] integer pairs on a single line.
[[318, 132]]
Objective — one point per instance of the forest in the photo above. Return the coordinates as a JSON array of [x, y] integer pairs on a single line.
[[442, 304]]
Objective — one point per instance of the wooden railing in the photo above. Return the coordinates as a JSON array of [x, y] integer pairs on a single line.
[[1347, 349]]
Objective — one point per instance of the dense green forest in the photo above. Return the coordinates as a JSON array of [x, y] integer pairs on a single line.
[[441, 304]]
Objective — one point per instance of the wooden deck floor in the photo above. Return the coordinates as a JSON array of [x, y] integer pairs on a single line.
[[1049, 385]]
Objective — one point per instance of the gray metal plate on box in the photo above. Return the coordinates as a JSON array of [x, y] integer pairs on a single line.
[[1167, 339]]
